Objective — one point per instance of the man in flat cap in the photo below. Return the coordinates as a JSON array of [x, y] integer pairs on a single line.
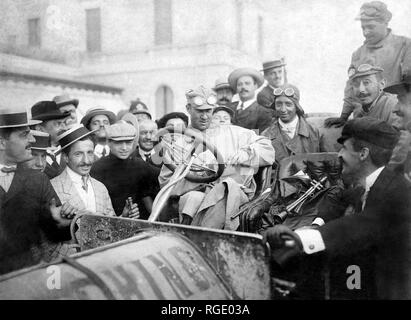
[[390, 52], [276, 76], [247, 112], [215, 204], [224, 92], [53, 123], [129, 180], [30, 208], [74, 184], [67, 104], [379, 232], [97, 120]]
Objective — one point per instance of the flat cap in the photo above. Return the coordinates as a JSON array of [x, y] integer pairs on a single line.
[[363, 70], [374, 10], [121, 131], [372, 130], [221, 83], [201, 98]]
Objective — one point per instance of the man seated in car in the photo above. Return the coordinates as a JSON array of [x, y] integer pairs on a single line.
[[214, 205]]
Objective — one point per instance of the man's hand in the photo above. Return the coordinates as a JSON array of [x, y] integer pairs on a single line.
[[284, 243], [186, 219], [254, 218], [131, 211], [59, 215], [337, 122]]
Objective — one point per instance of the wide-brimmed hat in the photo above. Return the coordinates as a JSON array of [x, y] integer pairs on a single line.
[[221, 83], [47, 110], [72, 135], [401, 86], [64, 100], [226, 109], [92, 112], [238, 73], [42, 140], [172, 115], [272, 64], [12, 119]]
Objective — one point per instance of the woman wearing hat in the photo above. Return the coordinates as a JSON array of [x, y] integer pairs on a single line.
[[290, 134]]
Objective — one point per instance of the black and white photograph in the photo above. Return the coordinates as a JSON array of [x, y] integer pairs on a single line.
[[205, 154]]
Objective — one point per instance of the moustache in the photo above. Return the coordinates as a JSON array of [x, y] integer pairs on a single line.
[[363, 95], [243, 90]]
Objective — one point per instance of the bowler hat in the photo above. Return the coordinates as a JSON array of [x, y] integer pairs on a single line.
[[172, 115], [121, 131], [42, 140], [221, 83], [401, 86], [71, 136], [64, 100], [9, 119], [372, 130], [47, 110], [272, 64], [92, 112], [238, 73], [141, 112]]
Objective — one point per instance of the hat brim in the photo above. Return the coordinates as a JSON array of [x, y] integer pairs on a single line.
[[141, 112], [272, 67], [28, 124], [75, 140], [39, 148], [122, 138], [52, 116], [110, 115], [363, 74], [236, 74], [222, 86], [74, 102], [226, 109], [398, 87]]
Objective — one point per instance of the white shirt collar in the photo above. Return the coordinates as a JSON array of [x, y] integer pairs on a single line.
[[74, 176], [143, 153], [247, 103], [370, 179], [289, 128]]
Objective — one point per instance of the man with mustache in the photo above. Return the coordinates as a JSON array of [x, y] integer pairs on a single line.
[[377, 236], [146, 151], [53, 123], [275, 74], [224, 92], [31, 212], [390, 52], [74, 184], [247, 112], [291, 134], [97, 120]]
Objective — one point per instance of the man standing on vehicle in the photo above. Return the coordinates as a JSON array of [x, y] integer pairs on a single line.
[[214, 205]]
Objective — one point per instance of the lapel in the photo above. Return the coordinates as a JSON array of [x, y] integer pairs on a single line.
[[16, 186], [97, 192], [379, 187], [69, 190]]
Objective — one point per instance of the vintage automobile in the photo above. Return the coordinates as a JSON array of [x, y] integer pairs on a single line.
[[121, 258]]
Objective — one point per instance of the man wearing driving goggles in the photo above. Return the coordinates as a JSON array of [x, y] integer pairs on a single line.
[[390, 52], [290, 134]]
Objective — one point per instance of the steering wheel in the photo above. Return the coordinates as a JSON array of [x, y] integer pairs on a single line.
[[198, 141]]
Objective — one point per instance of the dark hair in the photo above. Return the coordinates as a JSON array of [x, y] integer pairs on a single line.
[[66, 151], [379, 156]]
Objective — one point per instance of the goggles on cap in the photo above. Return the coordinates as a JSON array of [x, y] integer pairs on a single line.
[[361, 68], [199, 101], [369, 11], [289, 92]]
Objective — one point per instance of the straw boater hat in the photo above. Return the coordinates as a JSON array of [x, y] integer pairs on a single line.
[[238, 73], [71, 136], [12, 119], [42, 140], [273, 64]]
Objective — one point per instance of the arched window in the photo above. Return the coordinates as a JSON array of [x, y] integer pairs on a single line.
[[164, 100]]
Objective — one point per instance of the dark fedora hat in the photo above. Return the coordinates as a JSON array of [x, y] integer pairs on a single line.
[[10, 119], [42, 140], [47, 110], [71, 136], [272, 64], [64, 100], [401, 86]]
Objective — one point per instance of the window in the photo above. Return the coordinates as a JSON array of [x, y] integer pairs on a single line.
[[164, 100], [260, 35], [93, 30], [34, 32], [162, 22]]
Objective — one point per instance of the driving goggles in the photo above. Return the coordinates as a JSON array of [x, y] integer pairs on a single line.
[[365, 67], [289, 92], [199, 101]]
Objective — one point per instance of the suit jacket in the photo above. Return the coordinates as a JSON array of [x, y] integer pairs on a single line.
[[306, 140], [381, 233], [254, 117], [67, 192], [266, 97], [54, 169], [24, 218]]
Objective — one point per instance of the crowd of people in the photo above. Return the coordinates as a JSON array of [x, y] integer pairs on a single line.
[[55, 166]]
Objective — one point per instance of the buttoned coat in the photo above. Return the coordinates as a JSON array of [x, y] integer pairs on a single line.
[[306, 139], [255, 117], [67, 192]]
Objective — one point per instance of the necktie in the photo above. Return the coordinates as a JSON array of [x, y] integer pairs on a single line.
[[104, 153], [84, 179], [148, 157], [241, 107], [9, 169], [364, 199]]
